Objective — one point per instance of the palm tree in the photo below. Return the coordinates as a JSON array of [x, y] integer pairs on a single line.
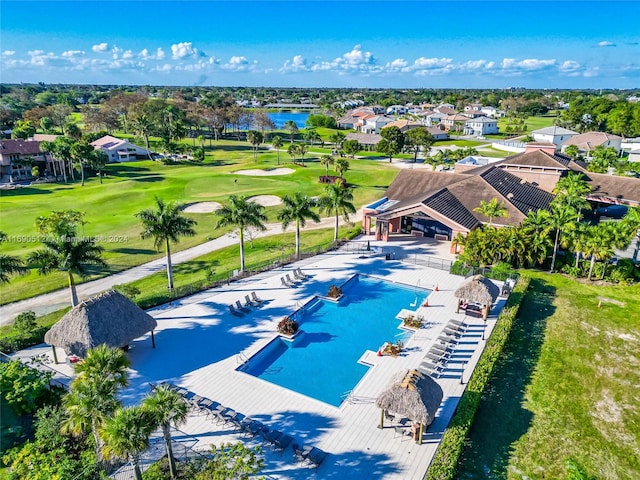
[[297, 208], [276, 142], [69, 254], [632, 219], [166, 224], [342, 165], [255, 138], [572, 151], [337, 139], [93, 394], [292, 127], [571, 191], [80, 154], [302, 150], [311, 136], [167, 408], [126, 436], [337, 200], [492, 209], [143, 125], [537, 223], [293, 151], [241, 213], [597, 245], [10, 265], [325, 161], [575, 237], [560, 218]]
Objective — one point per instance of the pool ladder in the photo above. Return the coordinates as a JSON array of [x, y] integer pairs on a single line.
[[242, 359]]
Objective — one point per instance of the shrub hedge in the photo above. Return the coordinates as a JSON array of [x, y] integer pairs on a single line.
[[444, 464]]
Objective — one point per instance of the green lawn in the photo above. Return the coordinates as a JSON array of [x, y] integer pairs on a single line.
[[532, 123], [458, 143], [128, 188], [566, 388]]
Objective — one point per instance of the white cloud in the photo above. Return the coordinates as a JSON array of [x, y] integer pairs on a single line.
[[100, 47], [164, 68], [569, 67], [146, 55], [160, 55], [396, 65], [128, 54], [8, 53], [355, 60], [183, 50], [606, 43], [239, 63], [73, 53], [297, 64]]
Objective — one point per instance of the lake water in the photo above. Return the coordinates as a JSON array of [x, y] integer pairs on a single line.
[[280, 118]]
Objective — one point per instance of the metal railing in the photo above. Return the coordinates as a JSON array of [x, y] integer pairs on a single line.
[[428, 261]]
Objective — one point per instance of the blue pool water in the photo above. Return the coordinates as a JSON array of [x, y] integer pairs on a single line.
[[322, 361], [280, 118]]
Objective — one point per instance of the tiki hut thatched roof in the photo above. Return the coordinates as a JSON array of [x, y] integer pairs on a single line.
[[412, 395], [109, 318], [478, 289]]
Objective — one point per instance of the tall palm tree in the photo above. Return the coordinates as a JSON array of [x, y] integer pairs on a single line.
[[126, 436], [143, 125], [276, 142], [337, 138], [166, 224], [337, 200], [492, 209], [297, 208], [537, 222], [292, 127], [166, 407], [68, 254], [632, 219], [302, 150], [80, 155], [571, 191], [341, 165], [575, 238], [325, 161], [255, 138], [561, 217], [597, 245], [93, 393], [293, 151], [241, 213], [10, 265]]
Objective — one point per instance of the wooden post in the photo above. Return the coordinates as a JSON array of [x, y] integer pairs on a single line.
[[485, 312], [381, 418], [458, 306], [419, 442], [55, 355], [153, 340]]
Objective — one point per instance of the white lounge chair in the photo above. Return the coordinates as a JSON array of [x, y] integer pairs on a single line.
[[250, 303], [256, 298], [290, 280], [240, 307], [285, 283], [233, 311]]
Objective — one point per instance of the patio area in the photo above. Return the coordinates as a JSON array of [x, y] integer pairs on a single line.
[[200, 345]]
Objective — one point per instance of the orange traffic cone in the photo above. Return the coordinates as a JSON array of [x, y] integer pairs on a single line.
[[436, 287], [379, 353], [426, 303]]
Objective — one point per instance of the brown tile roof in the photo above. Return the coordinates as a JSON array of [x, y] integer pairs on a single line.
[[590, 140], [20, 147], [614, 188], [364, 138]]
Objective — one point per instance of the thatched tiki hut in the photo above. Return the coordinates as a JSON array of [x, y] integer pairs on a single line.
[[479, 290], [411, 395], [109, 318]]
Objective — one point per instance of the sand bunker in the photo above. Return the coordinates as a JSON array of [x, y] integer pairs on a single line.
[[265, 173], [266, 200], [202, 207]]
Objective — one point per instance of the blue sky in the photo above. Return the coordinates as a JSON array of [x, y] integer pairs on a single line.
[[418, 44]]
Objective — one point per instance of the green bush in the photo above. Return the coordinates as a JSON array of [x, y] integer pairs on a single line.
[[25, 322], [23, 387], [444, 464]]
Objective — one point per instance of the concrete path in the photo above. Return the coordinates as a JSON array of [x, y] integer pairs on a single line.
[[53, 301]]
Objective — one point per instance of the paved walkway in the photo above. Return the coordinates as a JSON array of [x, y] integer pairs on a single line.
[[53, 301]]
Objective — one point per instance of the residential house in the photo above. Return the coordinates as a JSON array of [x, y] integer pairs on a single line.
[[634, 156], [492, 112], [455, 123], [17, 157], [396, 110], [404, 125], [347, 122], [118, 150], [446, 109], [373, 123], [586, 142], [473, 107], [434, 118], [556, 135], [367, 141], [438, 133], [481, 126]]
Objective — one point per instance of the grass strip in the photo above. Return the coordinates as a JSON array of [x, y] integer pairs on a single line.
[[444, 464]]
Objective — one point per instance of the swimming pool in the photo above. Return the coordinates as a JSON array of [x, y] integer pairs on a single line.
[[322, 361]]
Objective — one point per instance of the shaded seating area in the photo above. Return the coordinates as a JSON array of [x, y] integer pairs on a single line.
[[476, 295], [249, 427], [414, 396], [109, 318]]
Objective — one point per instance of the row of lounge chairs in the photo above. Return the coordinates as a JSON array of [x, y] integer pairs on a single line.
[[249, 427], [298, 277], [436, 359], [239, 309]]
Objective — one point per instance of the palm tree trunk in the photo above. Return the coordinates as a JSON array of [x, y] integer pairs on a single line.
[[146, 143], [72, 289], [82, 174], [98, 440], [136, 467], [167, 440], [298, 240], [241, 249], [255, 154], [593, 262], [555, 250], [100, 175], [278, 150], [335, 234], [169, 266]]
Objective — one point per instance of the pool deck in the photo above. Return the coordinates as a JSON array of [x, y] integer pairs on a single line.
[[199, 345]]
